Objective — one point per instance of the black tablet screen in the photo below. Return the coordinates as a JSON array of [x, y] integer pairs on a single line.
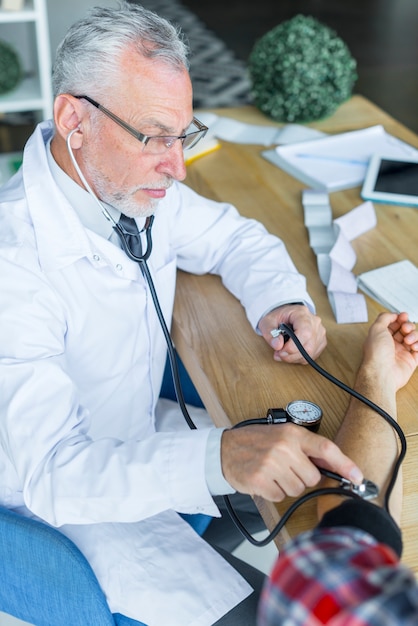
[[400, 177]]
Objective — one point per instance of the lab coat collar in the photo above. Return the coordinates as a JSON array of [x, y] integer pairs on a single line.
[[84, 205], [61, 237]]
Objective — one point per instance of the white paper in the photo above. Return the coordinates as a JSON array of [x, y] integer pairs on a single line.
[[316, 208], [357, 221], [338, 161], [231, 130], [317, 215], [321, 238], [348, 308], [314, 197], [395, 286], [330, 240], [342, 251], [334, 276], [293, 133], [238, 132]]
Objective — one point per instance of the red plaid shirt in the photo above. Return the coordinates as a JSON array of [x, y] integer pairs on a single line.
[[339, 576]]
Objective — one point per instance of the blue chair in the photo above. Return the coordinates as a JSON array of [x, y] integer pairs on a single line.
[[190, 393], [198, 521], [45, 579]]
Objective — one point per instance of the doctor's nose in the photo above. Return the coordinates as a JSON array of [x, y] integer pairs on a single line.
[[172, 162]]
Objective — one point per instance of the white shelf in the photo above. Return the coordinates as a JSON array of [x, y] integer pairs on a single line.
[[25, 15], [27, 32], [25, 97]]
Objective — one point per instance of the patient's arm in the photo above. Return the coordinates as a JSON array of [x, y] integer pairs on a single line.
[[390, 358]]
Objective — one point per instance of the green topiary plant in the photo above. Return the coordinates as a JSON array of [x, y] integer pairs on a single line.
[[10, 68], [301, 71]]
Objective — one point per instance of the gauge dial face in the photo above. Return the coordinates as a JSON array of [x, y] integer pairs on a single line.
[[304, 412]]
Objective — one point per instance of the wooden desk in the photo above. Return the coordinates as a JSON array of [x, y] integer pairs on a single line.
[[230, 365]]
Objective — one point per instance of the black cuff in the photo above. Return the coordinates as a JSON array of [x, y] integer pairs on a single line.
[[366, 516]]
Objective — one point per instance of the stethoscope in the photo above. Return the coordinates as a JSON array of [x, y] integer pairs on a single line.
[[365, 491], [127, 248], [142, 261], [116, 225]]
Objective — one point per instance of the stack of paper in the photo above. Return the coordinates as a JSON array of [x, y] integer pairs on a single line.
[[338, 161], [395, 286]]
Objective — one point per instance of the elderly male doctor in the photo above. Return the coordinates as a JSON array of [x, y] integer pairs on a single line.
[[82, 351]]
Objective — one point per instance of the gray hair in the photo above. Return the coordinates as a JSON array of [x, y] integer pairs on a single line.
[[87, 60]]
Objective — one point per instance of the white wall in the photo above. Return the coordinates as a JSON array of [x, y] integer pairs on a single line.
[[62, 13]]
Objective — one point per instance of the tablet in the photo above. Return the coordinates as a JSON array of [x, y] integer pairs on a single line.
[[391, 180]]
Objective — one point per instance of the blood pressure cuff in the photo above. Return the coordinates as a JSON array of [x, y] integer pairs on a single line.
[[368, 517]]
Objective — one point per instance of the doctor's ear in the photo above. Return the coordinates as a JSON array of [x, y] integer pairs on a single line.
[[68, 114]]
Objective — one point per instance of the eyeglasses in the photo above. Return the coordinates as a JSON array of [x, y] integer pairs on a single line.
[[157, 144]]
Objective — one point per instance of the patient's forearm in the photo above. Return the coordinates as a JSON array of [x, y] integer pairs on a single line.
[[369, 440]]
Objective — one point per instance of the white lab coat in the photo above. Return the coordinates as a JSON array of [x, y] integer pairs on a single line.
[[81, 363]]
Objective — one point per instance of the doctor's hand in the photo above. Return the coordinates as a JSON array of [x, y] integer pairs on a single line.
[[307, 327], [280, 460]]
